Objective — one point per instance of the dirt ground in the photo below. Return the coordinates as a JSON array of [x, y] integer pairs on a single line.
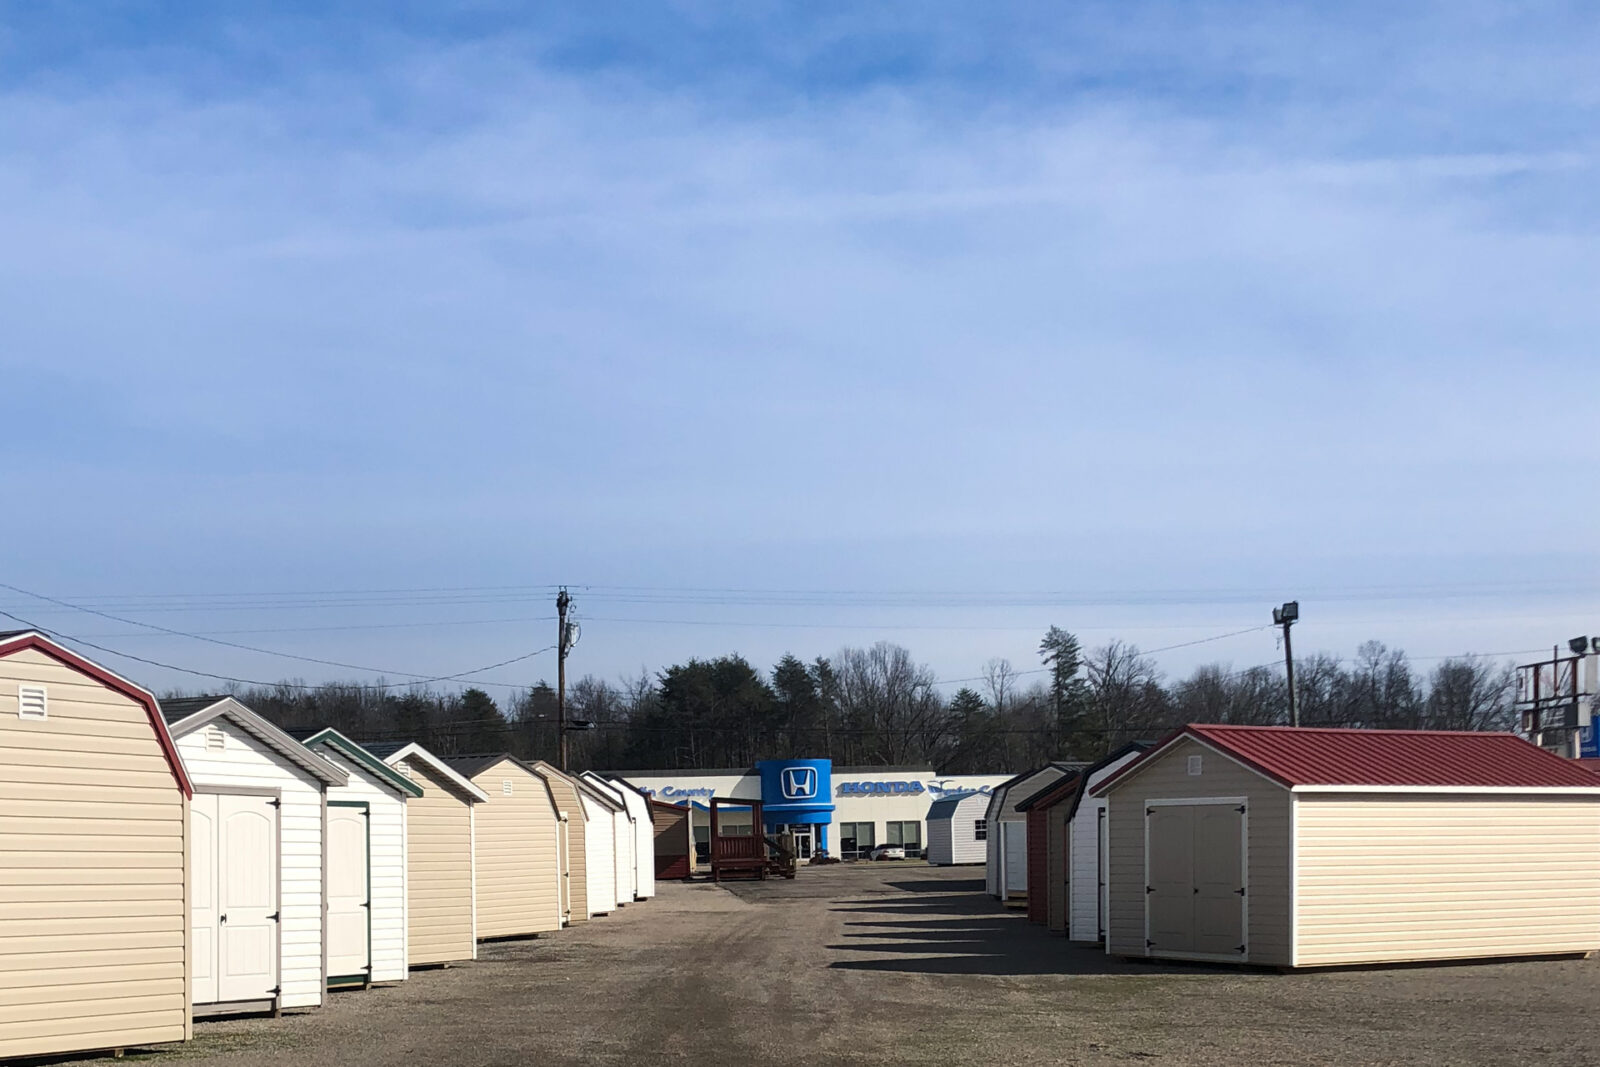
[[889, 964]]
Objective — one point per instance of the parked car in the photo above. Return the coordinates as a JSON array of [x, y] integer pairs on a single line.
[[886, 852]]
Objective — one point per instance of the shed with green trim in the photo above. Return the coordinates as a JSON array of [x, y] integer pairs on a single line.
[[366, 894]]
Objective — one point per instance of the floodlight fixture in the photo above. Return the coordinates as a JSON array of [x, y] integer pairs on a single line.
[[1291, 611], [1579, 645]]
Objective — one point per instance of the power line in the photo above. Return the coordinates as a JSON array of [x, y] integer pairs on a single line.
[[208, 640], [417, 680]]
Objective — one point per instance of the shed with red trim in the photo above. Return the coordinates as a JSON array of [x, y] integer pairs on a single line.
[[1297, 847], [94, 940]]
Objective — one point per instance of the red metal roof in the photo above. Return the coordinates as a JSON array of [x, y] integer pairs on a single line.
[[1306, 756], [11, 643]]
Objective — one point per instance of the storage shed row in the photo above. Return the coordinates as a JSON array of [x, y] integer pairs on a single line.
[[168, 859]]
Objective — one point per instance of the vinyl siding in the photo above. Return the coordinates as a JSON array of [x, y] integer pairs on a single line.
[[991, 850], [623, 841], [248, 763], [1266, 847], [1037, 825], [600, 856], [386, 841], [1056, 866], [518, 866], [439, 902], [1083, 882], [565, 793], [644, 843], [1392, 878], [93, 900]]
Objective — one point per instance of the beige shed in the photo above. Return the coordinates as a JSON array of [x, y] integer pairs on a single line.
[[94, 930], [517, 848], [574, 875], [1295, 847], [441, 901]]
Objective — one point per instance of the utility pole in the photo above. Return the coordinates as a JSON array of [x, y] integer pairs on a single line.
[[562, 602], [1286, 617]]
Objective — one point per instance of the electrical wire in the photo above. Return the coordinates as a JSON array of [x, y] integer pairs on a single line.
[[418, 680]]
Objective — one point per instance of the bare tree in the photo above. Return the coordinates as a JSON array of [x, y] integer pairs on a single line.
[[1126, 695], [1471, 693]]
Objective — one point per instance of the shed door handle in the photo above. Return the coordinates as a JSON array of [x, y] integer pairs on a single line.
[[224, 918]]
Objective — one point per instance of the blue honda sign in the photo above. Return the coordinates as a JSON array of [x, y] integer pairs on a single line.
[[796, 790]]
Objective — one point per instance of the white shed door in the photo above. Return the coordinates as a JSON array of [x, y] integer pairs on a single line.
[[1016, 845], [349, 894], [203, 912], [247, 892]]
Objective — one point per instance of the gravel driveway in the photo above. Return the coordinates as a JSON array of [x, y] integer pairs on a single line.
[[892, 963]]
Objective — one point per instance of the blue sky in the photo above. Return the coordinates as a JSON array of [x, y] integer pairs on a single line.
[[1135, 319]]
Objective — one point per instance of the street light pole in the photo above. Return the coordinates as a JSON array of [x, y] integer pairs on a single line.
[[1286, 617]]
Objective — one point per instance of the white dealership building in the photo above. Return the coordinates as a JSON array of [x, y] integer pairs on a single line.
[[845, 810]]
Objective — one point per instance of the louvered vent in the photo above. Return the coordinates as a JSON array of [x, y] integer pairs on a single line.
[[32, 702], [1194, 765], [505, 787], [403, 768], [216, 740]]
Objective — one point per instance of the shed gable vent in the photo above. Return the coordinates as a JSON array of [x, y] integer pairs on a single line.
[[33, 702], [505, 787], [1194, 765], [216, 740], [404, 768]]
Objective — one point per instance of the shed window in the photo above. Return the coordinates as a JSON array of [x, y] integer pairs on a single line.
[[1194, 765], [32, 702], [980, 830], [505, 787]]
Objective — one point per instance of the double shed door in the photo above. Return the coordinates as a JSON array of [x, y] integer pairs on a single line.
[[234, 894], [1195, 881]]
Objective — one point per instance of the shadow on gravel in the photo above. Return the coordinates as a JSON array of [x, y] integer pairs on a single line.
[[944, 926]]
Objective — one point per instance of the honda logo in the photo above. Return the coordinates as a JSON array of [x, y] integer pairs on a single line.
[[799, 783]]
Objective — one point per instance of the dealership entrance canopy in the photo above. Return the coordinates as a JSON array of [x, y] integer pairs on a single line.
[[844, 810]]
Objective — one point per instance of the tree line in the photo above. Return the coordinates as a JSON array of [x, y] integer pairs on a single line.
[[878, 706]]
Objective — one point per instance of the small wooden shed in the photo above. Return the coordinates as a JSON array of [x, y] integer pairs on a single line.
[[1298, 847], [624, 840], [517, 849], [642, 825], [366, 864], [94, 916], [1006, 850], [1084, 824], [644, 839], [1047, 864], [441, 904], [600, 846], [674, 841], [258, 869], [574, 851], [958, 829]]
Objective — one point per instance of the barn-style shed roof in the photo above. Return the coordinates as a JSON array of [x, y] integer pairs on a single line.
[[14, 641]]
